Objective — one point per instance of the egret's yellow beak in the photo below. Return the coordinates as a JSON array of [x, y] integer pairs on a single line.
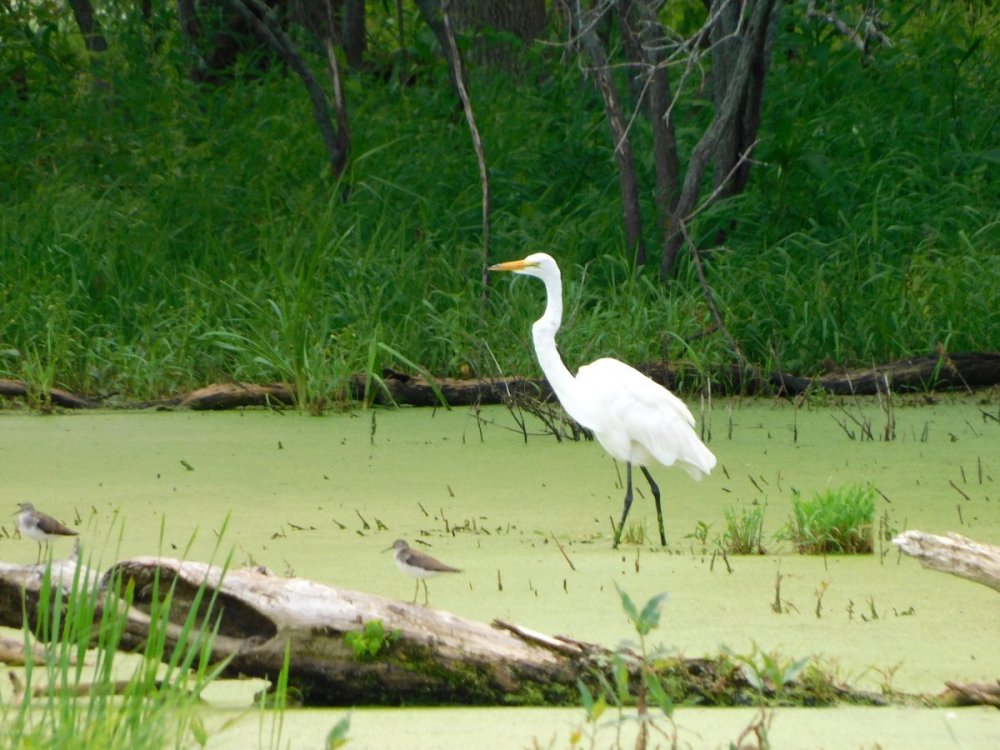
[[511, 265]]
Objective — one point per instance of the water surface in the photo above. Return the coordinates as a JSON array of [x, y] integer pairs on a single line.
[[322, 497]]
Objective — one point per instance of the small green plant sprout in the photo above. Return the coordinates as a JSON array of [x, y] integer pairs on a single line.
[[700, 535], [371, 641], [338, 735], [839, 520], [635, 533], [650, 690], [628, 679], [769, 673], [744, 534]]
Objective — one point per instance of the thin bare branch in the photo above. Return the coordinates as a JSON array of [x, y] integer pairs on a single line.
[[477, 142]]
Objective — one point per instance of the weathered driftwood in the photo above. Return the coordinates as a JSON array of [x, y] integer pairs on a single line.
[[430, 657], [435, 657], [954, 554]]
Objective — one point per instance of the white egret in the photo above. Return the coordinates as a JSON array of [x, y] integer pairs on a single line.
[[635, 419]]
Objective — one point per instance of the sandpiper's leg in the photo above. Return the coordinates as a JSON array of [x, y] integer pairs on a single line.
[[416, 591], [656, 497], [628, 502], [425, 593]]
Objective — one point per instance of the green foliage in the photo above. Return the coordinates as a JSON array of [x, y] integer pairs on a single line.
[[154, 708], [157, 235], [338, 735], [744, 534], [839, 520], [369, 643], [769, 673]]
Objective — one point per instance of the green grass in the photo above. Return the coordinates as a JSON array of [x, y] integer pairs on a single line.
[[157, 237], [840, 520], [744, 532], [80, 694], [156, 707]]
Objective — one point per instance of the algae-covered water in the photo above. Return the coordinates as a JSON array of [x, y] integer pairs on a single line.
[[322, 497]]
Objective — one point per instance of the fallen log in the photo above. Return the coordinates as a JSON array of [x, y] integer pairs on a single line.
[[940, 371], [235, 395], [55, 396], [955, 554], [419, 655], [352, 648]]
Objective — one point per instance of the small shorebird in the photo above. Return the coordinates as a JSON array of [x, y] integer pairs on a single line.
[[33, 524], [418, 564]]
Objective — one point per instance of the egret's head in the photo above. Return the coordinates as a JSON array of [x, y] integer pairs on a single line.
[[540, 265]]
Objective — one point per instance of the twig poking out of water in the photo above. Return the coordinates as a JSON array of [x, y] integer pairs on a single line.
[[725, 559], [873, 613], [776, 607], [958, 489], [888, 409], [760, 728], [499, 581], [423, 509], [363, 521], [958, 507], [823, 586], [563, 550]]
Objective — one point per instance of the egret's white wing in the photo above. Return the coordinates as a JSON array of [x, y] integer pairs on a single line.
[[638, 420]]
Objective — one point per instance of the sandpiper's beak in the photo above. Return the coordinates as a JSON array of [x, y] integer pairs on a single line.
[[511, 265], [387, 549]]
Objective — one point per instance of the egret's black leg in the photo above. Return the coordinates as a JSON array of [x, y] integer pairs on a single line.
[[656, 497], [628, 502]]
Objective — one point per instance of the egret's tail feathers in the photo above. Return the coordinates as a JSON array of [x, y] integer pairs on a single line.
[[699, 464]]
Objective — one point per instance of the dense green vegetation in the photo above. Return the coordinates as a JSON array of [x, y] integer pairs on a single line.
[[156, 235]]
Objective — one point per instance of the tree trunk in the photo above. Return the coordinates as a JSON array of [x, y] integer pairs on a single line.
[[355, 42], [591, 45], [737, 115], [524, 19], [89, 26], [646, 47], [731, 170]]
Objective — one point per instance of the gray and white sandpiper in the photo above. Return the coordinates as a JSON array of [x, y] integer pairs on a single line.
[[418, 564], [33, 524]]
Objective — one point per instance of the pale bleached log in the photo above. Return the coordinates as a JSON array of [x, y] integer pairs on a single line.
[[955, 554], [432, 656]]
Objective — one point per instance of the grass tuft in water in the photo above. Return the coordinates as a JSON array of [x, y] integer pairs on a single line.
[[744, 533], [839, 520]]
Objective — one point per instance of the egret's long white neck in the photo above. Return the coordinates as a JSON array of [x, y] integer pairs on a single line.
[[543, 332]]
